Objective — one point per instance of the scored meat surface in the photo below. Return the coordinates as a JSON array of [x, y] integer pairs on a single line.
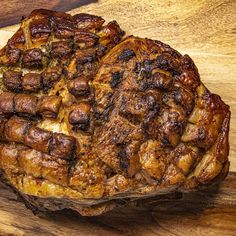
[[88, 117]]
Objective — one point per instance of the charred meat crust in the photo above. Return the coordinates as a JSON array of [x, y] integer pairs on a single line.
[[80, 116], [29, 105], [116, 78], [23, 160], [12, 80], [7, 103], [87, 21], [25, 104], [96, 118], [61, 49], [33, 58], [85, 39], [16, 129], [50, 76], [23, 131], [38, 139], [156, 99], [49, 106], [79, 87], [126, 54], [62, 146], [31, 82]]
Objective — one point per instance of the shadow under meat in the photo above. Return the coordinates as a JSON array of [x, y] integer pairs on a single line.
[[210, 209], [147, 213]]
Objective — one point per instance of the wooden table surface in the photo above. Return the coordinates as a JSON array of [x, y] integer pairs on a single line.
[[204, 29]]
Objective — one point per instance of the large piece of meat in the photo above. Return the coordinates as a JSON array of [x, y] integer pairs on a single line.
[[89, 118]]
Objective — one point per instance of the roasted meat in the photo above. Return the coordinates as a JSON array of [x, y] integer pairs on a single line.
[[88, 118]]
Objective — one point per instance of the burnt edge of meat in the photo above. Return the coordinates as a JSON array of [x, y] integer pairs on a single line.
[[116, 78], [124, 160], [126, 55]]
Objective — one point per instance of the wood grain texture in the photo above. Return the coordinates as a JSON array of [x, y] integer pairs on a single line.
[[201, 213], [11, 11], [204, 29]]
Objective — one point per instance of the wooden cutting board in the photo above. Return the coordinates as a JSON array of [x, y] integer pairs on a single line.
[[204, 29]]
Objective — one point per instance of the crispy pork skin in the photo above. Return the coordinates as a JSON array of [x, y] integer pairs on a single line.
[[88, 117]]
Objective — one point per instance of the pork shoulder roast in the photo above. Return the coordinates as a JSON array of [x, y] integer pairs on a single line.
[[89, 118]]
